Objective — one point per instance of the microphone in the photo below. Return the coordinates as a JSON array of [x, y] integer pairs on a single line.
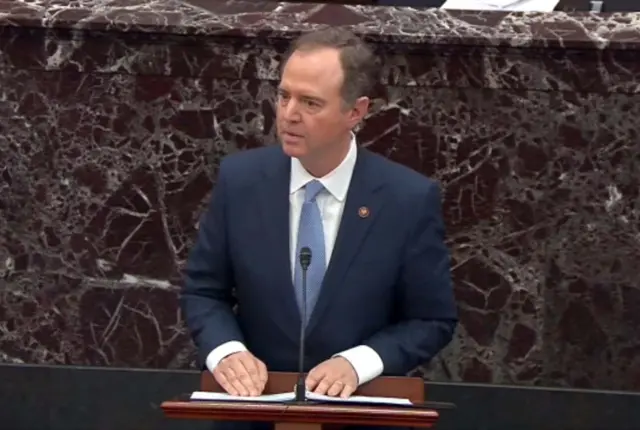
[[305, 261]]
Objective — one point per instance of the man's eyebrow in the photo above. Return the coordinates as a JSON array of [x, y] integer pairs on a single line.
[[304, 96]]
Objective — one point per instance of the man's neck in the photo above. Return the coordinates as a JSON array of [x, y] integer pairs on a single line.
[[320, 165]]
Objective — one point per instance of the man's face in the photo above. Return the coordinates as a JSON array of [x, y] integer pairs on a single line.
[[311, 116]]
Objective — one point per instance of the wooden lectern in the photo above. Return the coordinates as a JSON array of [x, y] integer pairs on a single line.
[[312, 416]]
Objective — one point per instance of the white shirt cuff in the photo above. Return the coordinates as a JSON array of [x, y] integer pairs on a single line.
[[228, 348], [366, 362]]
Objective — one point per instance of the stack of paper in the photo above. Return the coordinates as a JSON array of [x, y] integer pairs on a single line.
[[506, 5], [289, 397]]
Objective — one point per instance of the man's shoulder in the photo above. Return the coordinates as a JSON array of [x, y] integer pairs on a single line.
[[251, 160], [411, 192]]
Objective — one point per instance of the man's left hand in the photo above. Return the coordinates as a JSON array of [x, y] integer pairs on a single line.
[[334, 377]]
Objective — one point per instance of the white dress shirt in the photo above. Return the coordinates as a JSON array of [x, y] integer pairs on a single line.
[[366, 362]]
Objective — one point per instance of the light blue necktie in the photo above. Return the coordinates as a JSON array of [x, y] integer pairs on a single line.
[[311, 234]]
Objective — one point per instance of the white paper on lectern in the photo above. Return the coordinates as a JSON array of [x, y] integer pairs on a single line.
[[224, 397], [361, 399], [505, 5], [287, 397]]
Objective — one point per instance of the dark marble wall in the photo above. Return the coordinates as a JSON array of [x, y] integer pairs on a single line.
[[112, 122]]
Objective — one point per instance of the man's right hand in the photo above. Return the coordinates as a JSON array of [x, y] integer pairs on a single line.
[[241, 374]]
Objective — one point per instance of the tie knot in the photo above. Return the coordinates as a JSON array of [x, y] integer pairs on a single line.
[[311, 190]]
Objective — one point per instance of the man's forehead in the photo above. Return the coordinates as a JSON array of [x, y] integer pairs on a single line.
[[315, 61], [323, 52], [312, 70]]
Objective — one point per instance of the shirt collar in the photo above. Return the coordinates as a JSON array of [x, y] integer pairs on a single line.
[[336, 182]]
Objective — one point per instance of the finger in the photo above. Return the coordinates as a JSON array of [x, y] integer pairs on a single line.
[[263, 375], [335, 389], [347, 391], [232, 374], [250, 378], [323, 386], [224, 382], [314, 377]]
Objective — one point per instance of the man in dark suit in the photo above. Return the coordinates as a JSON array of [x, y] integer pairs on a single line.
[[379, 294]]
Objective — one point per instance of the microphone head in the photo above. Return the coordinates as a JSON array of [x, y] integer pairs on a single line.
[[305, 257]]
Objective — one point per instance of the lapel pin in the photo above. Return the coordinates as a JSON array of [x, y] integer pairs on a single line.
[[363, 212]]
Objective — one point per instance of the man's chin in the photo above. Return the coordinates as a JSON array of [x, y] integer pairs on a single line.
[[295, 151]]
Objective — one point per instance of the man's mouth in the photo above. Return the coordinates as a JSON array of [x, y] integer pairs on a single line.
[[288, 133]]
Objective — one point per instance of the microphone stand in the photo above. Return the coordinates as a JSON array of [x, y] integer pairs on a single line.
[[301, 388]]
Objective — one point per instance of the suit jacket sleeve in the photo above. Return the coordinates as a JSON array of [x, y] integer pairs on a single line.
[[207, 299], [425, 301]]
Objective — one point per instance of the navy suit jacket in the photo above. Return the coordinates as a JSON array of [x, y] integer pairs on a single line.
[[387, 285]]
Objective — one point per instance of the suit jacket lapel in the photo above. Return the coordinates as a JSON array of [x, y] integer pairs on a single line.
[[364, 202], [274, 208]]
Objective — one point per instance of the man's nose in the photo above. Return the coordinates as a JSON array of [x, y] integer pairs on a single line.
[[291, 111]]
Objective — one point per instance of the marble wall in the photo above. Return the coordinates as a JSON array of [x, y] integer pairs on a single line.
[[114, 116]]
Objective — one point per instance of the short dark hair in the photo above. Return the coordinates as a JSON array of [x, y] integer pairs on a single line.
[[359, 63]]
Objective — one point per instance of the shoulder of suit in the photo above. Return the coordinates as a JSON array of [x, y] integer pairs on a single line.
[[247, 167]]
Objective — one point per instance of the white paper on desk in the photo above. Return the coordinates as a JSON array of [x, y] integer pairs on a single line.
[[288, 397], [390, 401], [506, 5], [224, 397]]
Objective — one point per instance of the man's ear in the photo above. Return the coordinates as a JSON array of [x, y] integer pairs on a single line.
[[358, 111]]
